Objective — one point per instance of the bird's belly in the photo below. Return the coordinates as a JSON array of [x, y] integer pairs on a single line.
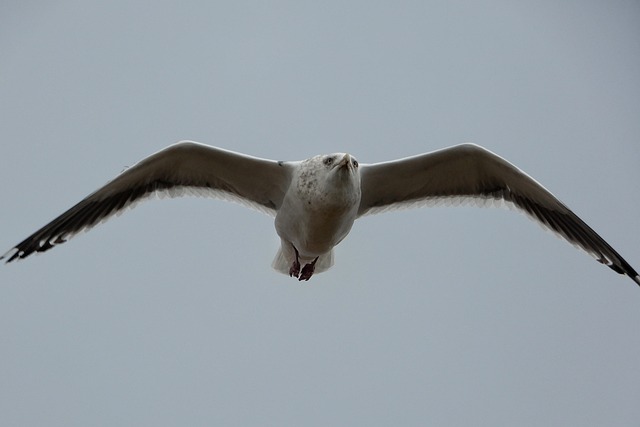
[[314, 232], [321, 234]]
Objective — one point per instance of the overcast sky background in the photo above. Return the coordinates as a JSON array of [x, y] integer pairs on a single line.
[[171, 314]]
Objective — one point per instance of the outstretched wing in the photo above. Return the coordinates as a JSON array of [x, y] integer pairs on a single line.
[[183, 168], [471, 172]]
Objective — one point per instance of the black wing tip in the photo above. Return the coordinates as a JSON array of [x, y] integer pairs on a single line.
[[11, 255], [22, 250], [626, 270], [634, 276]]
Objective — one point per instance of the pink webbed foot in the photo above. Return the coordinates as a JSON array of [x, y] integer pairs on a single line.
[[307, 270], [294, 271]]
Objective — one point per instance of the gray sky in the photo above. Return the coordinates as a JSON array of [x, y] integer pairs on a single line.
[[171, 314]]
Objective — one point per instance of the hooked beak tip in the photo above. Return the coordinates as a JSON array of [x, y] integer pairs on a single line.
[[346, 161]]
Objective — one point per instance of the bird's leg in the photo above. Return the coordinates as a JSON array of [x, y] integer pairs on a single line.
[[307, 270], [294, 271]]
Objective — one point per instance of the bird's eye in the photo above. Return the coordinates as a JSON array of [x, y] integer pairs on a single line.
[[354, 163], [328, 161]]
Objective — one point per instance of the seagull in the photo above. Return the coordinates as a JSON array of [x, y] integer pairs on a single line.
[[316, 201]]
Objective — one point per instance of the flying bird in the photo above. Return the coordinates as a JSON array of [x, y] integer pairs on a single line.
[[316, 201]]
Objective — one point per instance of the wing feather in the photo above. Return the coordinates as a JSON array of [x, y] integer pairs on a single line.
[[468, 172], [183, 168]]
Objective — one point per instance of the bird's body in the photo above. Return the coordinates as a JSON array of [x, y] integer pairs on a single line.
[[318, 211], [315, 202]]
